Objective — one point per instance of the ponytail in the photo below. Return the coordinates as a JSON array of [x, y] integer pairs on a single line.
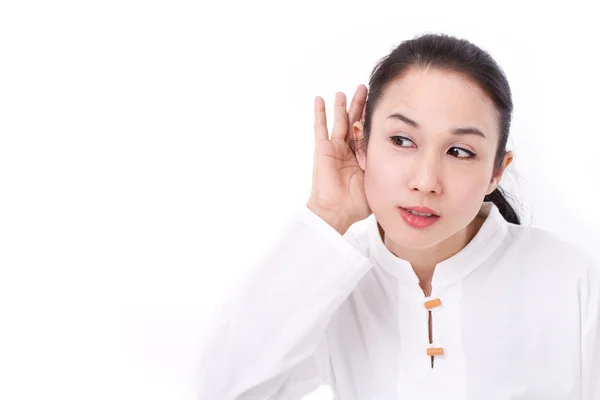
[[498, 197]]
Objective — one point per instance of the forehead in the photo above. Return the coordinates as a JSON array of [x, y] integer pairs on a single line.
[[439, 99]]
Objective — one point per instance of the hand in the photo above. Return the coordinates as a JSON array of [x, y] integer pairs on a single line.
[[338, 193]]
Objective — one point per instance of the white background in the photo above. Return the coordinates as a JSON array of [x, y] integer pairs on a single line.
[[150, 151]]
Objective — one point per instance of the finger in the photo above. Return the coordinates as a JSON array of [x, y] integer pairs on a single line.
[[320, 126], [357, 105], [340, 121]]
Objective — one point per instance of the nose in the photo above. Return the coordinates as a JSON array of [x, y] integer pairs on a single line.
[[425, 177]]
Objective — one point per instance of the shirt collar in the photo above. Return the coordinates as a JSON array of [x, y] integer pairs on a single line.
[[453, 269]]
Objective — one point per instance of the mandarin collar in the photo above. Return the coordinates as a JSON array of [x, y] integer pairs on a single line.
[[453, 269]]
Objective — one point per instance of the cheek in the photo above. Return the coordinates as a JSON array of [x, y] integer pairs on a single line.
[[380, 184], [467, 187], [384, 174]]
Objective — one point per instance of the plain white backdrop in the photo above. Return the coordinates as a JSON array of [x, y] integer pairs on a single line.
[[151, 150]]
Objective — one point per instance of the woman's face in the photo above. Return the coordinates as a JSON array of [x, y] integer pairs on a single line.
[[426, 163]]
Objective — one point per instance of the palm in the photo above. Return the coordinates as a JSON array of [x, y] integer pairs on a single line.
[[338, 180]]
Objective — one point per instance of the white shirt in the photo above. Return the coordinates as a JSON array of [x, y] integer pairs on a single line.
[[519, 319]]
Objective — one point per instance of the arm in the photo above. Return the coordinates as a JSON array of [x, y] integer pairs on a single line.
[[271, 341]]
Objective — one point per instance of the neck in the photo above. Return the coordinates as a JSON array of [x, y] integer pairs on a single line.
[[424, 261]]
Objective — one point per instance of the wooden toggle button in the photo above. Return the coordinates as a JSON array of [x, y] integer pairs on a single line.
[[433, 304], [435, 351]]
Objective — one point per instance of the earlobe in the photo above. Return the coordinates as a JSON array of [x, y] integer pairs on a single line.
[[508, 158], [494, 183], [493, 186]]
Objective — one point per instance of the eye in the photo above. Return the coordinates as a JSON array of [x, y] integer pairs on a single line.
[[398, 140], [469, 154]]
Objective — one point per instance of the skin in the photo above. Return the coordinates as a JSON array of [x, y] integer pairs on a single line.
[[430, 167]]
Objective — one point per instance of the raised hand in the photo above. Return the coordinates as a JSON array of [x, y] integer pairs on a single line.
[[338, 194]]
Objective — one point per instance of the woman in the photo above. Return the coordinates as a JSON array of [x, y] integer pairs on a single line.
[[442, 294]]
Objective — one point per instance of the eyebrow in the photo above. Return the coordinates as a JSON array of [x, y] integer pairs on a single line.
[[469, 130]]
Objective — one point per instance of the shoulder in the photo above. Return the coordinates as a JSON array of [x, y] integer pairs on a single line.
[[549, 250], [539, 242]]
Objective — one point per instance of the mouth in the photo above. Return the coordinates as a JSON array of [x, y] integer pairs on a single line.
[[421, 211], [418, 220]]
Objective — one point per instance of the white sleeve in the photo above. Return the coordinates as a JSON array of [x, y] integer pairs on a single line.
[[590, 339], [270, 342]]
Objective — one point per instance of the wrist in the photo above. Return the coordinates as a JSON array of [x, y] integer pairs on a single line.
[[337, 221]]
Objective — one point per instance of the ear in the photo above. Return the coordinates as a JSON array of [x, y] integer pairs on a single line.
[[495, 181], [357, 135]]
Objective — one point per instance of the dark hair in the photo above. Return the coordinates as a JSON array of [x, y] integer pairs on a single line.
[[460, 56]]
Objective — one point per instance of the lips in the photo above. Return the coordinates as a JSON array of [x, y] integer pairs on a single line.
[[417, 221]]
